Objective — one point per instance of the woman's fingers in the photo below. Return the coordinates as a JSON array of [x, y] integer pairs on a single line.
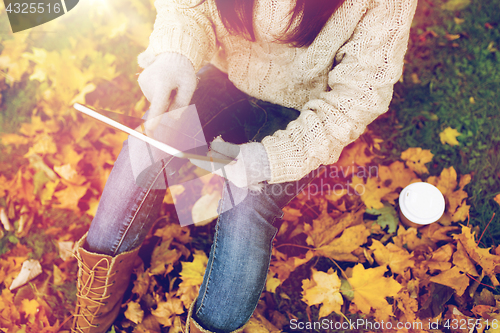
[[225, 148], [183, 95], [160, 104]]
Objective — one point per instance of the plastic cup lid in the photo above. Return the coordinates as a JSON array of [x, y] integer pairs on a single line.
[[421, 203]]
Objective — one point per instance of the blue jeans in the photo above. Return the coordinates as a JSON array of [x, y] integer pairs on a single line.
[[241, 251]]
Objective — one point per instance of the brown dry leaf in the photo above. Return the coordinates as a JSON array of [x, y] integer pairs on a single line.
[[174, 231], [166, 311], [462, 260], [480, 256], [134, 313], [141, 283], [440, 259], [408, 305], [323, 288], [281, 267], [341, 248], [397, 258], [163, 258], [370, 290], [436, 232], [371, 193], [325, 229], [416, 158], [9, 312]]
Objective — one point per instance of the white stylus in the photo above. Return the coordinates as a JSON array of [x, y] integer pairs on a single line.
[[157, 144]]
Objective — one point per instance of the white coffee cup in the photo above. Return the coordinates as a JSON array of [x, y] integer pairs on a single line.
[[420, 204]]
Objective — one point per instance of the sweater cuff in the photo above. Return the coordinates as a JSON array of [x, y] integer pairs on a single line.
[[173, 39], [288, 164]]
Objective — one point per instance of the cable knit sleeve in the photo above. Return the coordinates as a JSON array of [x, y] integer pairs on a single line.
[[179, 28], [360, 88]]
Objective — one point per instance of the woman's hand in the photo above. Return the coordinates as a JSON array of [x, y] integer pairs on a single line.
[[249, 168], [168, 84]]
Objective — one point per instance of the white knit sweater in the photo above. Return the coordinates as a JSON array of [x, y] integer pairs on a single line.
[[340, 83]]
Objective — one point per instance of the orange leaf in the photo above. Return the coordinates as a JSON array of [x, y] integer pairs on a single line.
[[497, 198], [480, 256], [70, 196], [453, 278]]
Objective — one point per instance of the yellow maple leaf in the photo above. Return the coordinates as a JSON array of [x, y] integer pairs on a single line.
[[416, 158], [497, 198], [323, 288], [446, 182], [30, 307], [192, 277], [396, 175], [341, 248], [325, 228], [449, 136], [370, 289], [397, 258], [371, 193]]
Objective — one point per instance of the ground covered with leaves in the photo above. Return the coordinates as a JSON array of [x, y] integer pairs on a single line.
[[342, 260]]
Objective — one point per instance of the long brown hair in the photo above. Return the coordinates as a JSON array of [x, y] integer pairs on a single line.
[[236, 15]]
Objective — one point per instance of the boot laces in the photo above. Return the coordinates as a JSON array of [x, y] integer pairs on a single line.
[[91, 294]]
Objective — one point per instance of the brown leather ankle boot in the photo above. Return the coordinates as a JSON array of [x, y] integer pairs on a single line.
[[102, 281]]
